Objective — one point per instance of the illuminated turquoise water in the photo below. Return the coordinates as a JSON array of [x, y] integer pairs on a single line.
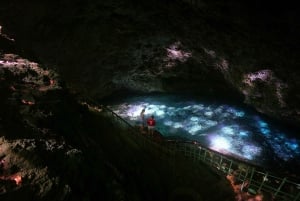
[[223, 127]]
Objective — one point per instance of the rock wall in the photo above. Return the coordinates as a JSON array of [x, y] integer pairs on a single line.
[[54, 146], [238, 49]]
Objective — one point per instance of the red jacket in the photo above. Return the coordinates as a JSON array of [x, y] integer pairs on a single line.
[[151, 122]]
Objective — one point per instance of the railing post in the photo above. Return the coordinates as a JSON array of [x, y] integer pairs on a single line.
[[199, 153], [263, 181], [220, 163], [251, 176], [229, 168], [280, 186], [204, 155], [247, 171], [240, 173], [212, 155]]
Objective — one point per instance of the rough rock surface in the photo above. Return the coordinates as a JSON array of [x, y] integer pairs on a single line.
[[99, 47], [28, 148], [24, 172], [54, 147]]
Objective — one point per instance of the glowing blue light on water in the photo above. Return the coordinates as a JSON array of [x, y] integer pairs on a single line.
[[220, 143], [265, 131], [292, 145], [194, 118], [262, 124], [240, 114], [168, 123], [194, 129], [244, 133], [208, 113], [159, 113], [250, 150], [177, 125], [227, 130], [221, 127]]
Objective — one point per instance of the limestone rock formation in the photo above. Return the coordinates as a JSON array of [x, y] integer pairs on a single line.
[[28, 148], [247, 49], [54, 146]]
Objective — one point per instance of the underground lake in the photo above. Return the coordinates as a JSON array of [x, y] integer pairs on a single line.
[[226, 127]]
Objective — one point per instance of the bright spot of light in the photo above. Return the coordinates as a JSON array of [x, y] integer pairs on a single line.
[[209, 114], [159, 113], [187, 107], [18, 179], [244, 133], [175, 53], [193, 130], [265, 131], [292, 145], [249, 151], [228, 130], [240, 114], [151, 109], [162, 107], [134, 111], [210, 123], [219, 143], [194, 118], [177, 125], [262, 124]]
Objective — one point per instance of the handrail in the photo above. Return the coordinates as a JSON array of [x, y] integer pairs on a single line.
[[260, 180]]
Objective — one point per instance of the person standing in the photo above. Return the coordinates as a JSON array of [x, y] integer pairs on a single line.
[[142, 114], [151, 125]]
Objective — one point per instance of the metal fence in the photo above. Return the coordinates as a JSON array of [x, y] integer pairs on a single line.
[[281, 188], [260, 181]]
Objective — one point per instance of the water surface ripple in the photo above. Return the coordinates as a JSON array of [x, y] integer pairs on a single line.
[[229, 129]]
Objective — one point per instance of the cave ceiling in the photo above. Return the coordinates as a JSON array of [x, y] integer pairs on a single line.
[[248, 49]]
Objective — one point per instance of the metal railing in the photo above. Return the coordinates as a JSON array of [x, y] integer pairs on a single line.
[[260, 180], [281, 188]]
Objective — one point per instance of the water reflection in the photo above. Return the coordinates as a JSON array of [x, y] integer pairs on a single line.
[[221, 127]]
